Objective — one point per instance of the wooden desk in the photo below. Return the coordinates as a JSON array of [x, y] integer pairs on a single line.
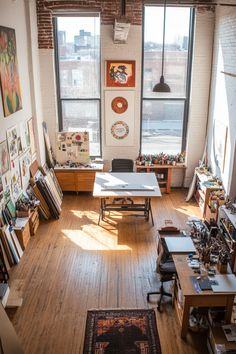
[[165, 170], [191, 298], [80, 179], [139, 185]]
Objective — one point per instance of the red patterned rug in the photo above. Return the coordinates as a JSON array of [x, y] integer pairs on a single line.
[[121, 332]]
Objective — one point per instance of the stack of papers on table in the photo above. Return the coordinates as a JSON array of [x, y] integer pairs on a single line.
[[230, 332], [125, 187], [226, 283]]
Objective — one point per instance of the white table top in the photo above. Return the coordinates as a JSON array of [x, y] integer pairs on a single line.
[[126, 184], [180, 245]]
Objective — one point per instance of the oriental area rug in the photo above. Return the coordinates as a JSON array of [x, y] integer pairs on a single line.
[[121, 332]]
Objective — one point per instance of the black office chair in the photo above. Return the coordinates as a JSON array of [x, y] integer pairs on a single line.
[[122, 165], [166, 269]]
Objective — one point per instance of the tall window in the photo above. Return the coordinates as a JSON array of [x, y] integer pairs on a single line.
[[164, 115], [77, 44]]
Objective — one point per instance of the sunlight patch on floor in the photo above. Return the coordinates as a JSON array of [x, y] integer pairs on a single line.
[[193, 212], [92, 238]]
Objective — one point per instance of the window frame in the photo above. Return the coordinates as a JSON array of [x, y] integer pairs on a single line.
[[57, 72], [185, 99]]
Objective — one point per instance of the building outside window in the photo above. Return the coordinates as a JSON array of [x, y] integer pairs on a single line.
[[164, 115], [77, 50]]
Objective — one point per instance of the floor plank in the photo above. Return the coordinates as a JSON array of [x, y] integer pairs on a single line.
[[73, 264]]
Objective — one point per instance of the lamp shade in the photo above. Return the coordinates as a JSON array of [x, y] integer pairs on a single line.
[[161, 86]]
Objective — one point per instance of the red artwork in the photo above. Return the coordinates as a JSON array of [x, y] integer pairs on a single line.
[[120, 73], [119, 105]]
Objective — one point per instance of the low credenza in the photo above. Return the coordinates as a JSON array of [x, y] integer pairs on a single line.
[[163, 174], [80, 179]]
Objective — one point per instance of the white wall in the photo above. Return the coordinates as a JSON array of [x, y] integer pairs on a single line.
[[133, 50], [13, 14], [201, 76], [223, 93]]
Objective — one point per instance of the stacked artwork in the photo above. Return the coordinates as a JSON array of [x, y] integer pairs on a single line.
[[73, 146], [15, 159]]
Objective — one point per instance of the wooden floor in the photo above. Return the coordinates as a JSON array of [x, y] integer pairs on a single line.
[[73, 264]]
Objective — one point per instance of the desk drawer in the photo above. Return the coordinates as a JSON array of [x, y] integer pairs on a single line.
[[85, 181], [66, 180]]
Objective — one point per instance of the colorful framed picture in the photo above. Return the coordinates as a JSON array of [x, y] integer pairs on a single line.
[[4, 157], [9, 75], [25, 162], [12, 141], [119, 117], [120, 73]]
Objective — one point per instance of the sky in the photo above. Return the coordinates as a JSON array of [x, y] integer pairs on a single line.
[[177, 23]]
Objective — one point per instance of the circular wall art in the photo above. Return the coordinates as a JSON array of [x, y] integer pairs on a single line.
[[119, 130], [119, 105]]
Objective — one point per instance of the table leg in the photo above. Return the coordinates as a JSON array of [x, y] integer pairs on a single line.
[[185, 319], [150, 210], [229, 308]]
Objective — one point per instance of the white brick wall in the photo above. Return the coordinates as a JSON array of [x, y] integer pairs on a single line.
[[223, 92]]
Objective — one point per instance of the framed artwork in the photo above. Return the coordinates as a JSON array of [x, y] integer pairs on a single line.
[[9, 75], [119, 118], [12, 141], [120, 73], [25, 162], [16, 188], [4, 157], [24, 136], [73, 146], [31, 137], [6, 182]]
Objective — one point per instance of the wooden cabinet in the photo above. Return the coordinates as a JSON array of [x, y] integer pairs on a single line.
[[163, 174], [203, 190], [77, 179], [23, 235], [34, 221]]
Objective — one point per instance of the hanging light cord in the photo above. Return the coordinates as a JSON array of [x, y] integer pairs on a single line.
[[163, 43]]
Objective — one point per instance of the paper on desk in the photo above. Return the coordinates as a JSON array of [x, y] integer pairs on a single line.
[[230, 332], [226, 283], [20, 223], [125, 187]]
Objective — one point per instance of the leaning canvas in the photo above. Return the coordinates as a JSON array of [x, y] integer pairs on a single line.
[[73, 146], [9, 75]]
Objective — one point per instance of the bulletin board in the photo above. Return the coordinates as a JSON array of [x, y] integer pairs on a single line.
[[73, 146]]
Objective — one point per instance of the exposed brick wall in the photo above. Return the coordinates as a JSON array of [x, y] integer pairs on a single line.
[[109, 10]]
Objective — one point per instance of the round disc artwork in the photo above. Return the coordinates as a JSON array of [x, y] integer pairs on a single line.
[[119, 130], [119, 105]]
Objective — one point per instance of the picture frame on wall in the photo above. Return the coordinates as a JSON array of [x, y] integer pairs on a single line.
[[120, 73], [9, 73], [12, 141], [31, 137], [119, 117], [4, 157]]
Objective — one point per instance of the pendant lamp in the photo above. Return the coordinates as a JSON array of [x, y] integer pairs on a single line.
[[162, 86]]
